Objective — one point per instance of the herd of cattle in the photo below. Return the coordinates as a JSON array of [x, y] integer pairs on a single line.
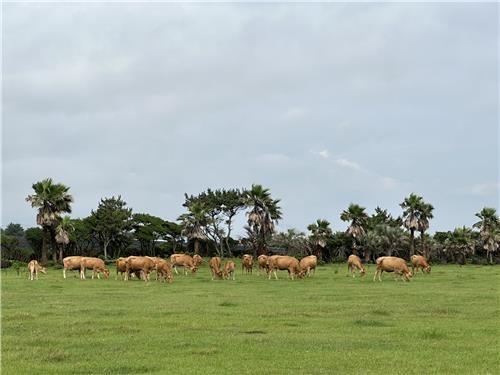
[[142, 266]]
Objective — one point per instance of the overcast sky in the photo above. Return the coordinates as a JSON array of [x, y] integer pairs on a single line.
[[323, 104]]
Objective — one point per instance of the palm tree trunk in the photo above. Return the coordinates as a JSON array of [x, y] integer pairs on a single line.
[[422, 244], [354, 250], [412, 246], [44, 259], [196, 246], [61, 251]]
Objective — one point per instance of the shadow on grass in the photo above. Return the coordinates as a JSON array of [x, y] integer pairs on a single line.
[[370, 323]]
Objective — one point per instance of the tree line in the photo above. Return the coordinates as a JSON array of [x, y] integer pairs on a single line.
[[113, 230]]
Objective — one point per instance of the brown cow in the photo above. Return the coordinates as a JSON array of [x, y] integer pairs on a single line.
[[215, 270], [164, 270], [144, 265], [157, 261], [198, 260], [247, 263], [392, 264], [72, 263], [33, 269], [262, 260], [308, 264], [95, 264], [353, 264], [183, 260], [284, 262], [229, 269], [418, 261]]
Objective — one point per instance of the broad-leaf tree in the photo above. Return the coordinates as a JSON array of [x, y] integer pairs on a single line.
[[111, 222], [356, 215], [51, 200]]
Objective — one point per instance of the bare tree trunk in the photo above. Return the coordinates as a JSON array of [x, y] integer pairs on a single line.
[[412, 246], [45, 241], [105, 248], [196, 246], [61, 253], [354, 249]]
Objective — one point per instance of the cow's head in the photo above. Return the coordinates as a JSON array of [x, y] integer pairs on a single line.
[[105, 272], [42, 270], [362, 272], [428, 269], [408, 275]]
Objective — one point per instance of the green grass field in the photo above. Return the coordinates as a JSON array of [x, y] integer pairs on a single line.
[[443, 323]]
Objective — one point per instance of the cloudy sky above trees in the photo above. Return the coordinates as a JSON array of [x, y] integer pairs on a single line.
[[324, 104]]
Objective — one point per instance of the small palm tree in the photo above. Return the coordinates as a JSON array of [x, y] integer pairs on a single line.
[[489, 229], [320, 232], [63, 231], [460, 243], [358, 218], [263, 215], [51, 200], [194, 223], [411, 210]]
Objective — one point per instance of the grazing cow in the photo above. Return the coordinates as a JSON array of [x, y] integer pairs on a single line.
[[247, 263], [392, 264], [121, 267], [353, 264], [164, 270], [34, 268], [95, 264], [156, 261], [229, 269], [262, 260], [198, 260], [72, 263], [284, 262], [418, 261], [215, 270], [143, 265], [308, 264], [183, 260]]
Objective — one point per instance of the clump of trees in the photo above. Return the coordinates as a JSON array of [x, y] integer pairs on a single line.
[[113, 230]]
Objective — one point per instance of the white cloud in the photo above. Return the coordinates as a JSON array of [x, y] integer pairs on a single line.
[[482, 189], [324, 154], [346, 163], [388, 183], [295, 113]]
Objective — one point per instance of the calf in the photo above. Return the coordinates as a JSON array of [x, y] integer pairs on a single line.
[[215, 270], [143, 265], [418, 261], [95, 264], [198, 260], [308, 264], [284, 262], [392, 264], [183, 260], [247, 263], [33, 269], [229, 269], [71, 263], [353, 264]]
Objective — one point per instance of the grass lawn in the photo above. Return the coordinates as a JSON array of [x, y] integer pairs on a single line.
[[447, 322]]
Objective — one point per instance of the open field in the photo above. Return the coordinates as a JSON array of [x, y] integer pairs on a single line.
[[444, 323]]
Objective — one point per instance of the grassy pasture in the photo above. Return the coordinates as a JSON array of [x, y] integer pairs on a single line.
[[443, 323]]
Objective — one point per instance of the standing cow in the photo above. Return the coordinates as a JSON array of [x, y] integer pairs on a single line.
[[33, 269]]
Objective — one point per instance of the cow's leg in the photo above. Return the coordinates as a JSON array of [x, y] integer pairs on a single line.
[[64, 272], [98, 272], [175, 269]]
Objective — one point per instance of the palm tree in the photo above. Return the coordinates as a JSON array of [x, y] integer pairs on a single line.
[[194, 223], [411, 212], [51, 200], [63, 230], [320, 232], [423, 224], [264, 214], [358, 218], [489, 226]]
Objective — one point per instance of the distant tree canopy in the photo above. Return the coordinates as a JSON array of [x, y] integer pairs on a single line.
[[206, 227]]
